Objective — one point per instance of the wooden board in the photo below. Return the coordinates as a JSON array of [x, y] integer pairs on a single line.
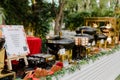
[[2, 56]]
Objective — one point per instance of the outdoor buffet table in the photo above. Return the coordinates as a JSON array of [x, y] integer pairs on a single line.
[[34, 44], [107, 63]]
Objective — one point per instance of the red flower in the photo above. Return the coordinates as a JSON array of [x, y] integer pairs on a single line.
[[59, 64]]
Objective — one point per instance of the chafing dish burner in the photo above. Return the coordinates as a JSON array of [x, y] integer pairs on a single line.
[[41, 60]]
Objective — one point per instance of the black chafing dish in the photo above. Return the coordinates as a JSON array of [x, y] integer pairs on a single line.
[[41, 60], [56, 43], [100, 36], [106, 29], [85, 37], [82, 41], [86, 30]]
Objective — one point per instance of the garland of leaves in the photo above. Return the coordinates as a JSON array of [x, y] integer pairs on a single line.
[[75, 67]]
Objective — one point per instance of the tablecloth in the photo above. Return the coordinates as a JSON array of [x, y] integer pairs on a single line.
[[34, 44]]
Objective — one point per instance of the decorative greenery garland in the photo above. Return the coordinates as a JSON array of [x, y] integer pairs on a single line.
[[75, 67]]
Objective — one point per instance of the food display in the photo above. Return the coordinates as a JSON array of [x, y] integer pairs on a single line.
[[40, 72]]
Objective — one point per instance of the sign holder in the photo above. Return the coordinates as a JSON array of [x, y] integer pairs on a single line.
[[16, 58], [15, 43]]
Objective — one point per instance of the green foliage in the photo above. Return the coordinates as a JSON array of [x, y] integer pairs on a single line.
[[16, 11], [75, 20], [118, 77], [2, 15], [102, 13]]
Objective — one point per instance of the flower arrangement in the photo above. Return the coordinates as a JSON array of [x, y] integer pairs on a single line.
[[39, 72]]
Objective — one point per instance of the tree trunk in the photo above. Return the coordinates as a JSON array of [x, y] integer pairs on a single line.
[[59, 17], [57, 25]]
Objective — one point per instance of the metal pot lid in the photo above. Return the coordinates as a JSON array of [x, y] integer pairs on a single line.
[[60, 40], [100, 36], [86, 29]]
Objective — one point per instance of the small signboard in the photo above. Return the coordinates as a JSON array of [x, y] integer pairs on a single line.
[[15, 43], [15, 40]]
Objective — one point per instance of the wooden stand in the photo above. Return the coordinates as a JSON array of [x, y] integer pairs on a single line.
[[16, 58], [2, 56]]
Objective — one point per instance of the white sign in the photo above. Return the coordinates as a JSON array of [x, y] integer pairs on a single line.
[[15, 40], [61, 51]]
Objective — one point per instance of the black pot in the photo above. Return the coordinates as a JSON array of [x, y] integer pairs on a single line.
[[86, 30], [100, 36], [104, 29], [58, 43]]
